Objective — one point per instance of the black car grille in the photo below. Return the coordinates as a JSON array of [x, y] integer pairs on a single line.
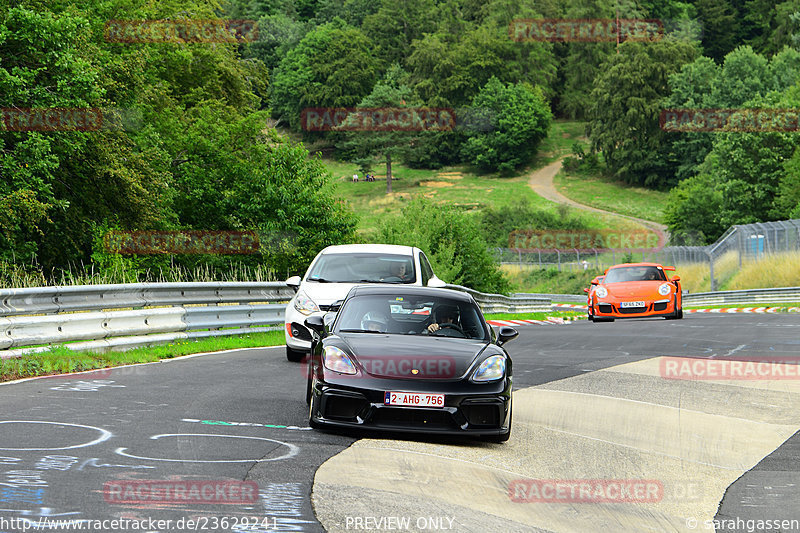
[[343, 407], [660, 307], [605, 308], [633, 310], [403, 416], [487, 415]]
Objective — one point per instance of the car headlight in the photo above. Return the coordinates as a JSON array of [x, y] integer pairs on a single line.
[[492, 368], [304, 304], [601, 292], [336, 360], [664, 289]]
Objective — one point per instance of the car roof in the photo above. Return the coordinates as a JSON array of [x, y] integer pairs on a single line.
[[369, 248], [395, 290]]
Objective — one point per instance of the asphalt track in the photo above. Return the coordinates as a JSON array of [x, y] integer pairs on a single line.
[[591, 405]]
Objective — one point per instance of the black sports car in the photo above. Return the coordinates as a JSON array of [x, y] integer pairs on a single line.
[[410, 359]]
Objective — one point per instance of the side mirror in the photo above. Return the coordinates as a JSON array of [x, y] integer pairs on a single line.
[[595, 282], [506, 334], [675, 278], [436, 282], [328, 318], [585, 289], [315, 323], [294, 282]]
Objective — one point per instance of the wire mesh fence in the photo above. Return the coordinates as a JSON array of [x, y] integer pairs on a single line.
[[739, 244]]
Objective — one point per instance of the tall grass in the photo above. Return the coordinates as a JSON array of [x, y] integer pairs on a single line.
[[775, 270], [14, 276]]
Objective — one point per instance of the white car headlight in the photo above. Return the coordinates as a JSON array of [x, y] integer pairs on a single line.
[[336, 360], [601, 292], [304, 304], [664, 289], [491, 369]]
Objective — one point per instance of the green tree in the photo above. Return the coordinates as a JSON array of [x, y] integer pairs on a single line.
[[720, 27], [692, 211], [453, 242], [390, 93], [395, 25], [625, 108], [332, 66], [521, 118], [787, 201], [690, 89]]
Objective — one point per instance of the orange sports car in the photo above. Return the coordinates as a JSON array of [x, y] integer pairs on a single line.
[[636, 290]]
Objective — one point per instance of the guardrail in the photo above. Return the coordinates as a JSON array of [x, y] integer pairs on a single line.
[[115, 317], [497, 303], [122, 316], [750, 296]]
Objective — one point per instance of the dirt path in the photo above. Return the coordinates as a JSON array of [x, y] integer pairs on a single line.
[[541, 181]]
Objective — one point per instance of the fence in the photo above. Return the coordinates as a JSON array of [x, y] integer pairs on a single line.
[[748, 242]]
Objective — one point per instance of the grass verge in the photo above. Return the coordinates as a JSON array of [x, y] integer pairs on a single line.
[[533, 316], [610, 195], [61, 360]]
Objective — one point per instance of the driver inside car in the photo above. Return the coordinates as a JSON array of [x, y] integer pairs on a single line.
[[445, 314]]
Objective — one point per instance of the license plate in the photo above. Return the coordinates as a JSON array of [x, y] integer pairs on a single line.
[[631, 304], [413, 399]]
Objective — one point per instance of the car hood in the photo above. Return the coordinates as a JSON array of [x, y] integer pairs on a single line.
[[628, 290], [397, 356], [327, 293]]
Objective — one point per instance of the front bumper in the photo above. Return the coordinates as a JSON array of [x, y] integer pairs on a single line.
[[612, 309], [470, 409]]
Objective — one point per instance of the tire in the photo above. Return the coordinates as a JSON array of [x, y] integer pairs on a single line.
[[308, 385], [678, 314], [294, 356], [311, 422]]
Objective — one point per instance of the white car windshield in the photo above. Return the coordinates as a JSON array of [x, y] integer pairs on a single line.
[[363, 268]]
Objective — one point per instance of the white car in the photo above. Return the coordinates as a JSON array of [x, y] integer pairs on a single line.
[[336, 270]]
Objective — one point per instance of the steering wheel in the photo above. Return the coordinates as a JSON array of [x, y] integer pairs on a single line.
[[451, 326]]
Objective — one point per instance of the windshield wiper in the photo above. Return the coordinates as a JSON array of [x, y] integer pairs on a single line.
[[358, 331], [321, 280]]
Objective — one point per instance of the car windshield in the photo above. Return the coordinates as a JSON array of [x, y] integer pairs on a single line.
[[363, 268], [411, 315], [637, 273]]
